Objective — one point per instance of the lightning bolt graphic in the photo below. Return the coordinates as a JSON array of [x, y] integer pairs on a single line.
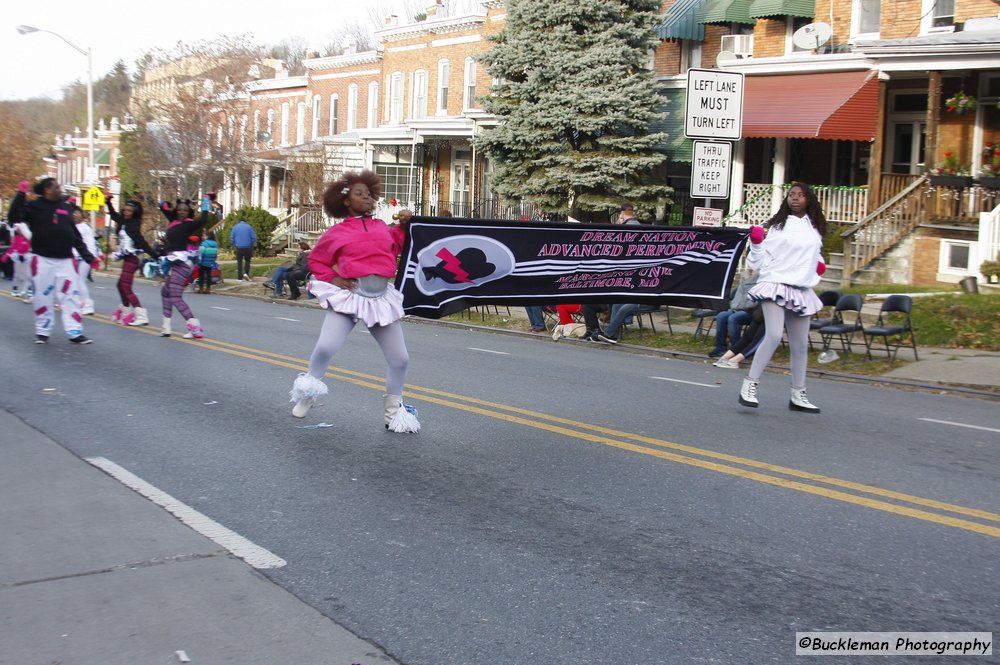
[[453, 265]]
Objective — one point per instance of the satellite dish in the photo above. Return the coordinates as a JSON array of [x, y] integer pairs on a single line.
[[812, 36], [724, 57], [264, 137]]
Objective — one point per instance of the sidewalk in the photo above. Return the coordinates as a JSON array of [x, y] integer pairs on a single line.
[[93, 573]]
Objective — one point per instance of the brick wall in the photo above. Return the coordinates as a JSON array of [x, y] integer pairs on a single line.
[[667, 58], [769, 37], [924, 263]]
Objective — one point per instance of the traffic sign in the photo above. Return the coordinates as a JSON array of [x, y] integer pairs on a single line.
[[93, 199], [714, 107], [707, 217], [711, 167]]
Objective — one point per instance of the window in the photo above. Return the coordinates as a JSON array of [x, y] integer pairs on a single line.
[[334, 99], [315, 118], [444, 73], [940, 14], [300, 123], [400, 178], [373, 104], [794, 23], [286, 113], [419, 95], [469, 91], [256, 126], [396, 98], [270, 124], [955, 257], [866, 17], [243, 131], [352, 107]]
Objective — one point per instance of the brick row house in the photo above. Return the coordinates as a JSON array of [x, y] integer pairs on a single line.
[[859, 112]]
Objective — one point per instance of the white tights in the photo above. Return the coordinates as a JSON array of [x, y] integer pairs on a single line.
[[333, 334], [777, 318]]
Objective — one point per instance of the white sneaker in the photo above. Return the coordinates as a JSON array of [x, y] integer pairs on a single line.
[[726, 364], [748, 393], [302, 407], [799, 402]]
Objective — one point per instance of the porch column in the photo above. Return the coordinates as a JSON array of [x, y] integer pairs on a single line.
[[265, 189], [254, 184], [933, 117], [778, 177], [877, 150], [736, 177]]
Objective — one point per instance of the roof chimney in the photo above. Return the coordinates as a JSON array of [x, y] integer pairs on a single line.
[[391, 21], [350, 46]]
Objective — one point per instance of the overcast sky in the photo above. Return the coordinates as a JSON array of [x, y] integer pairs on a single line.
[[40, 64]]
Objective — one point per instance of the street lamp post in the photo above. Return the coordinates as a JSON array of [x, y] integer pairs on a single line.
[[26, 29]]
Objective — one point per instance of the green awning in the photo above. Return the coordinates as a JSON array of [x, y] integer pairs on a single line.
[[678, 147], [102, 157], [727, 11], [681, 21], [766, 8]]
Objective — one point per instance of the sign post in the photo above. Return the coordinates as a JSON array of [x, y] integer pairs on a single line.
[[714, 111]]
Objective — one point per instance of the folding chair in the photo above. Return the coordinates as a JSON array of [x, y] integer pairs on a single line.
[[709, 313], [895, 308], [844, 326], [829, 299]]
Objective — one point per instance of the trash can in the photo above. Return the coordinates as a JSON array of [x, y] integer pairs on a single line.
[[970, 284]]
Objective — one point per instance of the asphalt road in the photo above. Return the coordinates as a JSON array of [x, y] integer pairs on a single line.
[[565, 503]]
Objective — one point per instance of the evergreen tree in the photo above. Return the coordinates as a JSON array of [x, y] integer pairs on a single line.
[[575, 102]]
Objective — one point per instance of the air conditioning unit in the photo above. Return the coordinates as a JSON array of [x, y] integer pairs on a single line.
[[741, 45]]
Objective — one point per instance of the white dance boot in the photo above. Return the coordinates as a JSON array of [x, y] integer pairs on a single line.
[[748, 393], [799, 402], [141, 317], [304, 392], [194, 329], [399, 417], [165, 330], [88, 307]]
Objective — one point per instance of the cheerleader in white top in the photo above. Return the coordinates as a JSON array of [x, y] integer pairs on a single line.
[[790, 264], [82, 267]]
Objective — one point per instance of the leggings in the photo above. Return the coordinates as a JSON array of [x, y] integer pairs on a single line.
[[777, 318], [333, 334], [129, 265], [173, 291]]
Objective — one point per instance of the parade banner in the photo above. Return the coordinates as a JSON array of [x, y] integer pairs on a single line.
[[451, 264]]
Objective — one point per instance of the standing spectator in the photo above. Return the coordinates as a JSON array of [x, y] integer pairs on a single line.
[[789, 262], [298, 271], [243, 238], [83, 268], [208, 252], [54, 236], [353, 266], [131, 245]]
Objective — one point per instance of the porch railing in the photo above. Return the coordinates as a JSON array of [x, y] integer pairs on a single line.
[[886, 226], [842, 205]]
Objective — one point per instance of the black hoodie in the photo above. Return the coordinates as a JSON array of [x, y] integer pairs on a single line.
[[53, 232]]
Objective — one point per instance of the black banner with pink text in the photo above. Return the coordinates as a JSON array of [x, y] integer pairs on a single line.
[[450, 264]]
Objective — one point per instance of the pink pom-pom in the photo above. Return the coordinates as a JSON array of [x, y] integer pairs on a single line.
[[820, 268], [23, 186], [756, 234]]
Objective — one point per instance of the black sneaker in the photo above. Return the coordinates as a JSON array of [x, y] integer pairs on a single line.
[[716, 353], [591, 337], [609, 339], [41, 339], [80, 339]]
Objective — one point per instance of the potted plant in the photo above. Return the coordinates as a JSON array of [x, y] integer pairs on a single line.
[[991, 270], [989, 173], [950, 173], [960, 103]]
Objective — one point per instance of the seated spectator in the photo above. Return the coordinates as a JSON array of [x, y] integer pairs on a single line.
[[620, 314], [536, 318], [566, 313], [731, 321], [298, 272], [590, 318], [747, 343]]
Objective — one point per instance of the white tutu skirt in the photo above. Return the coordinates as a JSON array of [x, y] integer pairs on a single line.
[[803, 302], [373, 310]]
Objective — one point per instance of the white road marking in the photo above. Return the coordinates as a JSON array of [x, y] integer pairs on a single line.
[[690, 383], [948, 422], [225, 309], [256, 556], [285, 318], [499, 353]]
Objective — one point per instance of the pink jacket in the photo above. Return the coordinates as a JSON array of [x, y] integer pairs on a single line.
[[355, 248], [18, 245]]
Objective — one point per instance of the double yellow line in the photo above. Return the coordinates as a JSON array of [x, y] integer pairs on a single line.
[[859, 494]]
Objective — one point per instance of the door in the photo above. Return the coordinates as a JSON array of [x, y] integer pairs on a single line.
[[907, 146]]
